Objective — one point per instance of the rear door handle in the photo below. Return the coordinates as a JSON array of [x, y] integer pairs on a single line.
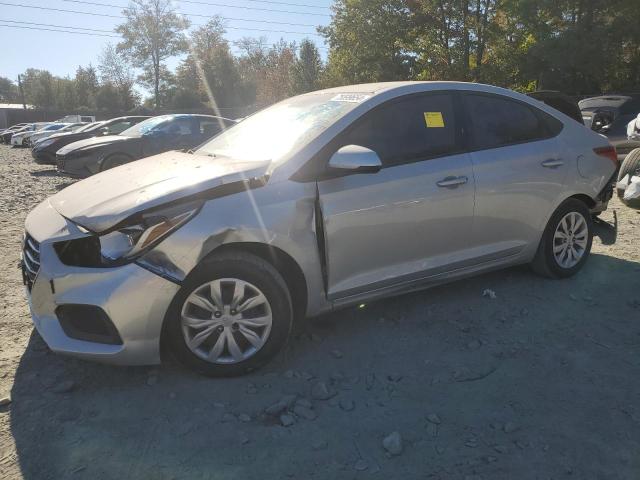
[[452, 181], [552, 163]]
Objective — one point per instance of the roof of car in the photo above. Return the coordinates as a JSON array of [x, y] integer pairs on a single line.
[[379, 87]]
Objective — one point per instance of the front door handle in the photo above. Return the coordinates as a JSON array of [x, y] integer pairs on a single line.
[[552, 163], [450, 182]]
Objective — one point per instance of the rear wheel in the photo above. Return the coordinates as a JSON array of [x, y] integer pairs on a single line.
[[566, 241], [630, 166], [232, 315], [114, 161]]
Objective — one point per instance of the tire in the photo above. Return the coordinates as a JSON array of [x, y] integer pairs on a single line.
[[546, 262], [220, 272], [630, 165], [114, 160]]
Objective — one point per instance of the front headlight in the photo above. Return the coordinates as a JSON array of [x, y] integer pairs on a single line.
[[148, 229]]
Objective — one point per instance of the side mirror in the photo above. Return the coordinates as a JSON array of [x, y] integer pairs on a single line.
[[356, 159]]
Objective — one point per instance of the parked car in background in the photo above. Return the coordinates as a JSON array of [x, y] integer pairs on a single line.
[[560, 101], [22, 139], [153, 136], [45, 151], [77, 119], [321, 201], [610, 115], [47, 132], [10, 129], [6, 136]]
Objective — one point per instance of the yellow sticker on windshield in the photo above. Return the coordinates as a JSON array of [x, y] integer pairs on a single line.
[[434, 119]]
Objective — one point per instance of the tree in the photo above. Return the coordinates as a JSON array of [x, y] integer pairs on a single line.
[[38, 86], [209, 74], [267, 71], [86, 84], [8, 91], [117, 72], [152, 33], [368, 41], [307, 68]]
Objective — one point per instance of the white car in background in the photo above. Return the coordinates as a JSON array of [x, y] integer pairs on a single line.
[[46, 133], [22, 139]]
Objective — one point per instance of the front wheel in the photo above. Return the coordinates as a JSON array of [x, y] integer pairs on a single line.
[[566, 241], [232, 315]]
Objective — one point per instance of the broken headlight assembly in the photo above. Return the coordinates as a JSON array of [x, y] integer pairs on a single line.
[[147, 229], [128, 240]]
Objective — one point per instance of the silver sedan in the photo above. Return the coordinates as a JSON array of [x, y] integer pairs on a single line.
[[319, 202]]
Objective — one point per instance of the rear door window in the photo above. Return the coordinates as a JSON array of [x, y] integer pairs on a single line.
[[181, 126], [498, 121], [209, 127], [119, 127], [414, 128]]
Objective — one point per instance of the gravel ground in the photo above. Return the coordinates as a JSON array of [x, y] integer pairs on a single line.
[[540, 382]]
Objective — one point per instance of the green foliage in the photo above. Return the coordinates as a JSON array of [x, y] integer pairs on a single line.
[[578, 46], [209, 75], [153, 32], [368, 41], [117, 74], [307, 68], [8, 91]]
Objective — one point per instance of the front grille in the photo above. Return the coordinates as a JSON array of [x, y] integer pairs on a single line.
[[30, 258]]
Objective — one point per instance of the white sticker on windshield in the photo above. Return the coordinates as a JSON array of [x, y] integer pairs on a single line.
[[350, 97]]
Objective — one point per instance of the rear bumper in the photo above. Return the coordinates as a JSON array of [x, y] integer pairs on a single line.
[[602, 199]]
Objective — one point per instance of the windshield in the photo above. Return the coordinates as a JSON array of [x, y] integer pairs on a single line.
[[144, 127], [56, 126], [280, 129], [91, 126]]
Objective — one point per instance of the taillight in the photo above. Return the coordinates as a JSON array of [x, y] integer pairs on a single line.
[[608, 152]]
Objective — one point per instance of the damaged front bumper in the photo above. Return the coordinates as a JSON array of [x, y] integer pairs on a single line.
[[113, 315]]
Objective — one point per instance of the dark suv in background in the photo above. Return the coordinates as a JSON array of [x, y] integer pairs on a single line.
[[609, 115], [45, 151], [151, 137]]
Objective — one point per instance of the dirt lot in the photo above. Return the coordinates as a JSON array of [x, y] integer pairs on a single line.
[[541, 382]]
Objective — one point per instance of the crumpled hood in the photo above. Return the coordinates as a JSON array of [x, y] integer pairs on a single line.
[[104, 200], [94, 142]]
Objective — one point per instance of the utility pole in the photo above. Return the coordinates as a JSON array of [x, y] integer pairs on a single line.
[[24, 104]]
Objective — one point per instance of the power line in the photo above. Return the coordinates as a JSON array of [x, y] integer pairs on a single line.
[[122, 17], [59, 31], [60, 10], [199, 15], [264, 1], [69, 29], [242, 7], [57, 26]]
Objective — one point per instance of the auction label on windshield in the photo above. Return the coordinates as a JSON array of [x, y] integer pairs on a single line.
[[434, 119], [350, 97]]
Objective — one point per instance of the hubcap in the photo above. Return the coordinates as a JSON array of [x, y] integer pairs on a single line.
[[570, 240], [226, 320]]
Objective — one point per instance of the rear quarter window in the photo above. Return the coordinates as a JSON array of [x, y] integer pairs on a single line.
[[497, 121]]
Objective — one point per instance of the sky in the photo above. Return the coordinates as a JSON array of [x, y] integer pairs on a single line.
[[61, 53]]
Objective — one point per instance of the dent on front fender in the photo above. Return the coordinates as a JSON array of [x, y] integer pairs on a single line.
[[279, 215]]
